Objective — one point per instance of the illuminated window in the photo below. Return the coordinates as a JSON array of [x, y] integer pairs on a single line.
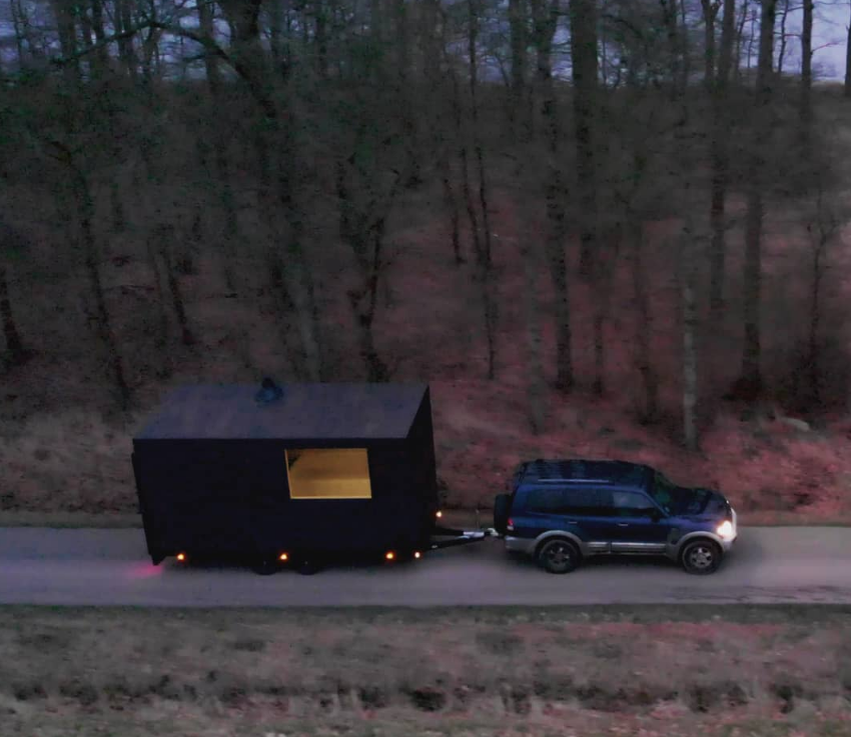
[[335, 473]]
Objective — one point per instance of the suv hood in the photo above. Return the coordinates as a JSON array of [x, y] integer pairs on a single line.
[[696, 502]]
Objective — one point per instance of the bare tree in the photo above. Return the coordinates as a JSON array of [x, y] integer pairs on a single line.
[[583, 29], [484, 248], [847, 88], [710, 13], [545, 19], [720, 163], [750, 383], [807, 71], [13, 244], [364, 209], [822, 230], [220, 147], [781, 53], [517, 20], [688, 279]]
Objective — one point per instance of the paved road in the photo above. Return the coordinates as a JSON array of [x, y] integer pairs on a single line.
[[91, 567]]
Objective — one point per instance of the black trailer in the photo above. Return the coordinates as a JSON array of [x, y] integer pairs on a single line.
[[296, 473]]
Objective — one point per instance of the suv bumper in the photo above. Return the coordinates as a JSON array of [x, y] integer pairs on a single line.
[[519, 545]]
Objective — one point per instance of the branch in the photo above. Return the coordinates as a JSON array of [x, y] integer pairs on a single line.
[[61, 61]]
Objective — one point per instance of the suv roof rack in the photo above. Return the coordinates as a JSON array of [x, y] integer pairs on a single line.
[[580, 471]]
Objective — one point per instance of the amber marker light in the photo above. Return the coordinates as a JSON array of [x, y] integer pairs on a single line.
[[283, 557], [418, 555], [181, 557], [439, 514], [390, 555]]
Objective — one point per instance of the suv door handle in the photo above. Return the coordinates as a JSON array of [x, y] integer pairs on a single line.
[[623, 524]]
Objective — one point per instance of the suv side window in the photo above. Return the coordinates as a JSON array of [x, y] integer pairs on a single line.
[[548, 501], [569, 501], [631, 504]]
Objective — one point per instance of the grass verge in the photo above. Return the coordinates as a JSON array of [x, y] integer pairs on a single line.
[[739, 670]]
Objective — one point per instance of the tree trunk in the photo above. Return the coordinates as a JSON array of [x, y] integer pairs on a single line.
[[583, 28], [750, 382], [848, 62], [685, 47], [643, 357], [321, 38], [807, 71], [362, 228], [63, 14], [434, 53], [815, 319], [126, 52], [14, 344], [536, 388], [720, 165], [740, 34], [220, 156], [689, 320], [451, 204], [483, 256], [710, 11], [18, 24], [519, 64], [781, 55], [753, 37], [162, 337], [556, 194], [176, 297], [85, 213], [275, 35]]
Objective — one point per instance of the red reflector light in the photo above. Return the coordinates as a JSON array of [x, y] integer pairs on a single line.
[[510, 525]]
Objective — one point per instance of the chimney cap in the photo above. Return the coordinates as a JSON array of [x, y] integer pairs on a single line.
[[269, 391]]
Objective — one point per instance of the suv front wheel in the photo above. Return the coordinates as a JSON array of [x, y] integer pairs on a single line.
[[701, 557], [558, 556]]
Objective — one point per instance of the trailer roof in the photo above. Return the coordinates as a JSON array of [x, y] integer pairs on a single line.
[[339, 411]]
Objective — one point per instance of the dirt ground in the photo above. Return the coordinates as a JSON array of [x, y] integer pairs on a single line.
[[600, 671]]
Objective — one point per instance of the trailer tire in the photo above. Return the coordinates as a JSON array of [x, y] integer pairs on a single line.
[[265, 567], [308, 567]]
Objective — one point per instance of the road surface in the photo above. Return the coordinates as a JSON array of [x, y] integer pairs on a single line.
[[111, 567]]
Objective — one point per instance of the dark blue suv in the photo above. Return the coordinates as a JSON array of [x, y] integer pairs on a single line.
[[560, 512]]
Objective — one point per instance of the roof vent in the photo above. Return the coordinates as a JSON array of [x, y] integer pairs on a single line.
[[269, 392]]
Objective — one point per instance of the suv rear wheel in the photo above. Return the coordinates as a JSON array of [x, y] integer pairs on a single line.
[[701, 557], [558, 556]]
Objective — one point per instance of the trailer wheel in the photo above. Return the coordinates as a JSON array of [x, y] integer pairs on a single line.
[[309, 567], [265, 567]]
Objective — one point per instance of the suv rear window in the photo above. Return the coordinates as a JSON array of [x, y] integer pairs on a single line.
[[568, 501]]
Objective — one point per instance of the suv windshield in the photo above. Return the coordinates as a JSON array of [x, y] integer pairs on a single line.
[[662, 491]]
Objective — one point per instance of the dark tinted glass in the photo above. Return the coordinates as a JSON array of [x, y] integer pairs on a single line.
[[581, 501], [631, 504]]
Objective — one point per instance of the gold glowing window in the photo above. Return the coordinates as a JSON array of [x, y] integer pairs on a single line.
[[334, 473]]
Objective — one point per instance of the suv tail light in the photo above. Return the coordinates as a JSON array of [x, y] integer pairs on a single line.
[[510, 525]]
